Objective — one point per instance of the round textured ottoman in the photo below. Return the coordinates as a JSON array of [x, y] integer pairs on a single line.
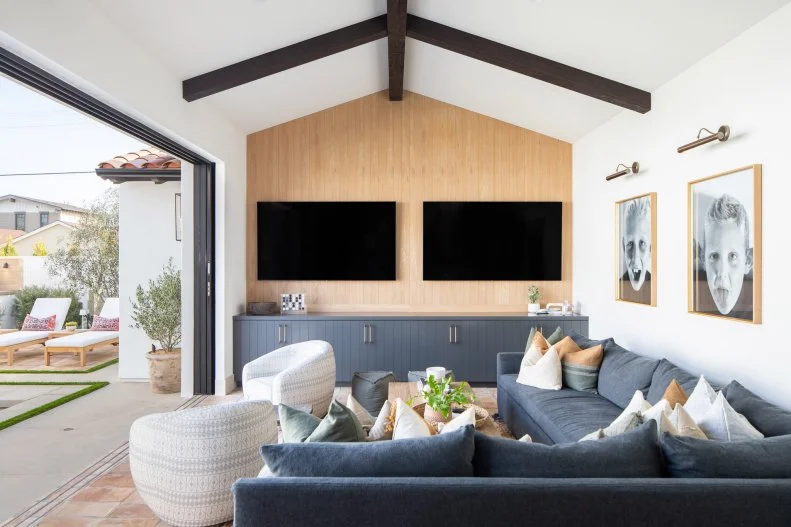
[[370, 389]]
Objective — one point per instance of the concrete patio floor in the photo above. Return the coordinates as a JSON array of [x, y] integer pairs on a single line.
[[41, 454]]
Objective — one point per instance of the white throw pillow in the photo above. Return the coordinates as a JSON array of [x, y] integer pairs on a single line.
[[700, 400], [623, 423], [526, 438], [409, 424], [366, 419], [685, 425], [723, 423], [637, 405], [467, 417], [660, 413], [381, 428], [534, 352], [546, 373]]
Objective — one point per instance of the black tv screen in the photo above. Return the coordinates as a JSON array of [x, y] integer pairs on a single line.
[[326, 240], [492, 240]]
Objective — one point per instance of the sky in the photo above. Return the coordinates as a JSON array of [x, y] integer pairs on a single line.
[[38, 134]]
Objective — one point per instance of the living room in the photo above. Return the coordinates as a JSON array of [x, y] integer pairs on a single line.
[[395, 186]]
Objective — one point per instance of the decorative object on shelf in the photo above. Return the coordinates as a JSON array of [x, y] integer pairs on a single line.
[[261, 308], [635, 238], [725, 245], [533, 296], [722, 134], [293, 304], [179, 222], [633, 169], [441, 396]]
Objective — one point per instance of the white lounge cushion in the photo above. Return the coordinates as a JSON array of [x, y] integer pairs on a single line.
[[20, 337], [46, 307], [111, 308], [259, 389], [82, 339]]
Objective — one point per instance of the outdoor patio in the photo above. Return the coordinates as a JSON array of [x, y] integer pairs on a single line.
[[32, 359]]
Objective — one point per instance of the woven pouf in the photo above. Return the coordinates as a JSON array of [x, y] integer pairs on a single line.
[[370, 389]]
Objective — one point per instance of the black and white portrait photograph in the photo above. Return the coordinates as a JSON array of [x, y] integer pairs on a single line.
[[635, 237], [725, 245]]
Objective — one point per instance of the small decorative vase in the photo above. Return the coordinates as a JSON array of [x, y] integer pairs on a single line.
[[533, 308], [434, 417]]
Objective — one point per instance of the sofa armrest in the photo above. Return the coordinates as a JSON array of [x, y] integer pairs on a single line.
[[509, 362]]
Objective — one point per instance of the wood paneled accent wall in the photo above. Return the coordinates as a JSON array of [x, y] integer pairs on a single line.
[[420, 149]]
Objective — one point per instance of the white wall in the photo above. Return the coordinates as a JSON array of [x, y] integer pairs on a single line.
[[53, 238], [147, 240], [747, 85], [62, 38]]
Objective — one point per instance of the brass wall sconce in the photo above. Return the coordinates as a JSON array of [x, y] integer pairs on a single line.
[[722, 134], [634, 169]]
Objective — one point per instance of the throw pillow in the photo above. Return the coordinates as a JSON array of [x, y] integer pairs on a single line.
[[675, 394], [536, 343], [383, 426], [366, 419], [104, 324], [660, 413], [296, 424], [771, 420], [566, 345], [446, 455], [687, 457], [526, 438], [339, 425], [38, 324], [581, 368], [685, 425], [722, 423], [467, 417], [700, 399], [408, 424], [556, 336], [637, 405], [546, 373], [621, 425], [634, 454]]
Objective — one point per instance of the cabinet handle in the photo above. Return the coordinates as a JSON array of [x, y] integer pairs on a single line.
[[455, 334], [285, 333], [365, 333], [279, 334], [450, 334], [370, 333]]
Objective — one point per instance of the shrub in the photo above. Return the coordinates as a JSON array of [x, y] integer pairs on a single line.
[[157, 311], [39, 249], [25, 298], [8, 249]]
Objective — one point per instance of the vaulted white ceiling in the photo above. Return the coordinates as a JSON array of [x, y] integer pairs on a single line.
[[637, 42]]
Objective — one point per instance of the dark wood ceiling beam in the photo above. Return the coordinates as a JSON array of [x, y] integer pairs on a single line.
[[285, 58], [396, 46], [528, 64]]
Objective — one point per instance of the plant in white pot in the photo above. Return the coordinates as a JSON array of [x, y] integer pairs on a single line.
[[533, 296], [157, 311]]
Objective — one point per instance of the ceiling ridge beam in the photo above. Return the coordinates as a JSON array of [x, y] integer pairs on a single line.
[[528, 64], [396, 46], [284, 58]]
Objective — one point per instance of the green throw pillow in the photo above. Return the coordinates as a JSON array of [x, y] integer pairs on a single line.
[[340, 425], [296, 424]]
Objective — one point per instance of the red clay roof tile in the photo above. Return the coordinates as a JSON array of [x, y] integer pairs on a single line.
[[151, 158]]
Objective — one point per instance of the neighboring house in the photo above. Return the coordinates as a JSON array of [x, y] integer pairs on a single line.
[[9, 233], [149, 181], [29, 214], [54, 236]]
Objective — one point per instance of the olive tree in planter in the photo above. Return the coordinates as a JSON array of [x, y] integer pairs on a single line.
[[157, 311]]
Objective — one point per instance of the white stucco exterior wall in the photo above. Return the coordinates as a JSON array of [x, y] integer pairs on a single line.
[[62, 37]]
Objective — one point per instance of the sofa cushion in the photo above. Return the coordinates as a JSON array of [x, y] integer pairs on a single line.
[[584, 342], [622, 372], [633, 454], [687, 457], [564, 415], [446, 455], [766, 417], [664, 374]]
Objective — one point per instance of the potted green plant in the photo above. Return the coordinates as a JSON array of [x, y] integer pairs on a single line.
[[70, 326], [157, 311], [533, 296], [441, 396]]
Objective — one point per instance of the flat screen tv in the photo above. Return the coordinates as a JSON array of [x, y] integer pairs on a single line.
[[326, 240], [492, 240]]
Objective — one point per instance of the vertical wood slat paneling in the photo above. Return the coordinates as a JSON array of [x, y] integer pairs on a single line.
[[414, 151]]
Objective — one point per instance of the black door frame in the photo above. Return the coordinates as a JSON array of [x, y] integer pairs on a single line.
[[44, 82]]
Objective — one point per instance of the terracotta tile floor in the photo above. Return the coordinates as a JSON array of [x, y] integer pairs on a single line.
[[32, 358], [111, 499]]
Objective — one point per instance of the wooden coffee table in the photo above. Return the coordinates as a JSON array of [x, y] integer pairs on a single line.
[[405, 390]]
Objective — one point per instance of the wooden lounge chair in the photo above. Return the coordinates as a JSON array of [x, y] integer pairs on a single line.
[[84, 341], [12, 342]]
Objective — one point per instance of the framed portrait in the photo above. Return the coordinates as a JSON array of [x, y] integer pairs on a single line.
[[635, 250], [725, 245]]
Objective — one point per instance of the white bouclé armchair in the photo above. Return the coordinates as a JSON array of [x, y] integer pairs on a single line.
[[298, 375]]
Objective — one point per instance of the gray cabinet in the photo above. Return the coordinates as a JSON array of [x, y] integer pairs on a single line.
[[467, 344]]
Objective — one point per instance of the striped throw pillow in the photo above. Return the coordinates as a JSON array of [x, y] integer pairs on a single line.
[[581, 369]]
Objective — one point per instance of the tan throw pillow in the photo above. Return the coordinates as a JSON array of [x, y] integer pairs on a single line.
[[581, 368], [366, 419], [566, 346], [675, 394], [383, 426]]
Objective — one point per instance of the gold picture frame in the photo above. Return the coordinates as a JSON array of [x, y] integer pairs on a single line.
[[724, 276], [636, 279]]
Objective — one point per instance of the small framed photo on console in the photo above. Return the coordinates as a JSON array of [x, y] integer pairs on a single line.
[[725, 245], [635, 250]]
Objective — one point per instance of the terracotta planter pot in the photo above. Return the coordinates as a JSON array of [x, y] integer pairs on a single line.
[[164, 370], [434, 417]]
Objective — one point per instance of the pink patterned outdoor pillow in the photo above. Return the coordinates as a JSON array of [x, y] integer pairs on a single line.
[[38, 324], [104, 324]]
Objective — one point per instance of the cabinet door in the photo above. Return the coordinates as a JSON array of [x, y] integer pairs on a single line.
[[465, 354], [252, 339], [378, 348]]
